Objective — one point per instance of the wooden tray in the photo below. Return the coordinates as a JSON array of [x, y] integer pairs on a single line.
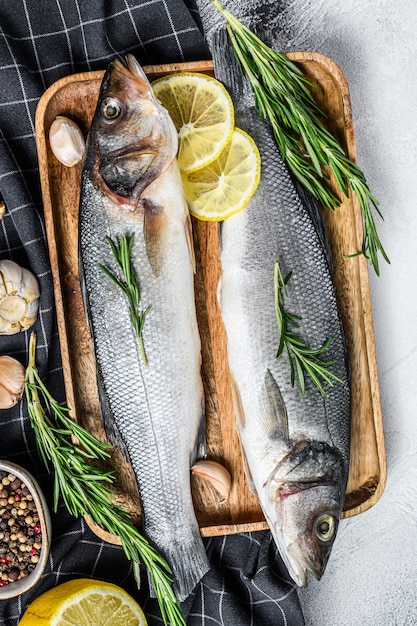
[[76, 96]]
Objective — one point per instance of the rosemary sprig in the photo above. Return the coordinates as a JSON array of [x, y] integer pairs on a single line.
[[283, 95], [122, 250], [303, 360], [87, 489]]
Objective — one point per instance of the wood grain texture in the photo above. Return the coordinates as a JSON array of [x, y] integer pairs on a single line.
[[76, 96]]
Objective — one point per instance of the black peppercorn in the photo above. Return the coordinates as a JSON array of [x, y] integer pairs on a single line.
[[20, 535]]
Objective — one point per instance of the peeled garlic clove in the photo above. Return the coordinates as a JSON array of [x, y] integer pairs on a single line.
[[19, 298], [12, 381], [66, 140], [216, 474]]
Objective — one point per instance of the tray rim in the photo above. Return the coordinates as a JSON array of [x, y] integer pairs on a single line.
[[207, 66]]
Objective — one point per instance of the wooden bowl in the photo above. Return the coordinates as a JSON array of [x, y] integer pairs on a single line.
[[75, 97], [18, 587]]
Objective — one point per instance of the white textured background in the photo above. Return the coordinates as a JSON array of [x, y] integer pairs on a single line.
[[371, 579]]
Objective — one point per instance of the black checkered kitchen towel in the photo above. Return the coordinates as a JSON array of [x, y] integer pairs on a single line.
[[41, 41]]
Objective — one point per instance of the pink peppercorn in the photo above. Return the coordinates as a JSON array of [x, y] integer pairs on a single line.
[[3, 583], [4, 560], [37, 529]]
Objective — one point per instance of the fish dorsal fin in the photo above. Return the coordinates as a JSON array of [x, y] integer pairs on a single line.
[[154, 224], [273, 410]]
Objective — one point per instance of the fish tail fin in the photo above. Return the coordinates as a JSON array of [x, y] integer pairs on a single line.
[[188, 561]]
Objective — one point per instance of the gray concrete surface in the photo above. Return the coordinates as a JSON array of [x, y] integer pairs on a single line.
[[371, 579]]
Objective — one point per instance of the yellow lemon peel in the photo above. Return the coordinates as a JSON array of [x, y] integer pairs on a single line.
[[225, 186], [83, 602]]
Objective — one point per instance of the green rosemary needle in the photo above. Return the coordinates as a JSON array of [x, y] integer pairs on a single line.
[[283, 95], [303, 360], [122, 250], [86, 489]]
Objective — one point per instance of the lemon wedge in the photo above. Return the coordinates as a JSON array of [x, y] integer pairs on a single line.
[[202, 112], [226, 185], [84, 602]]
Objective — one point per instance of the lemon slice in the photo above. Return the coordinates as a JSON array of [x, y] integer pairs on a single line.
[[84, 602], [203, 114], [225, 186]]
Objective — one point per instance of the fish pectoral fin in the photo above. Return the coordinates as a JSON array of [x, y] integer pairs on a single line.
[[154, 225], [248, 473], [273, 410], [189, 239], [240, 424], [200, 448], [237, 404]]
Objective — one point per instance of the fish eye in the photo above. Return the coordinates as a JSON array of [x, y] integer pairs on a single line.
[[325, 527], [111, 109]]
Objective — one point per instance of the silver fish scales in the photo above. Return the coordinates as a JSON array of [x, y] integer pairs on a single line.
[[296, 447], [131, 184]]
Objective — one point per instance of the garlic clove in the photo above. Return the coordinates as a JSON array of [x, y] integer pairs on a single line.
[[9, 328], [12, 374], [12, 381], [6, 328], [6, 400], [26, 323], [3, 325], [11, 275], [66, 141], [216, 474], [32, 310], [29, 289]]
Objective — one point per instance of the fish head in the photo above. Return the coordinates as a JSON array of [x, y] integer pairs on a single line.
[[132, 139], [305, 508]]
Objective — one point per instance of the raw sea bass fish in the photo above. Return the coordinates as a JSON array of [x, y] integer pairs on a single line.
[[296, 447], [131, 184]]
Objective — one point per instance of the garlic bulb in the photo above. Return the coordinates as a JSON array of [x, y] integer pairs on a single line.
[[66, 140], [19, 298], [12, 381], [216, 474]]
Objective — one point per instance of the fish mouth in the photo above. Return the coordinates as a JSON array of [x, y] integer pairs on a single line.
[[294, 559], [292, 556], [134, 67], [130, 67]]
